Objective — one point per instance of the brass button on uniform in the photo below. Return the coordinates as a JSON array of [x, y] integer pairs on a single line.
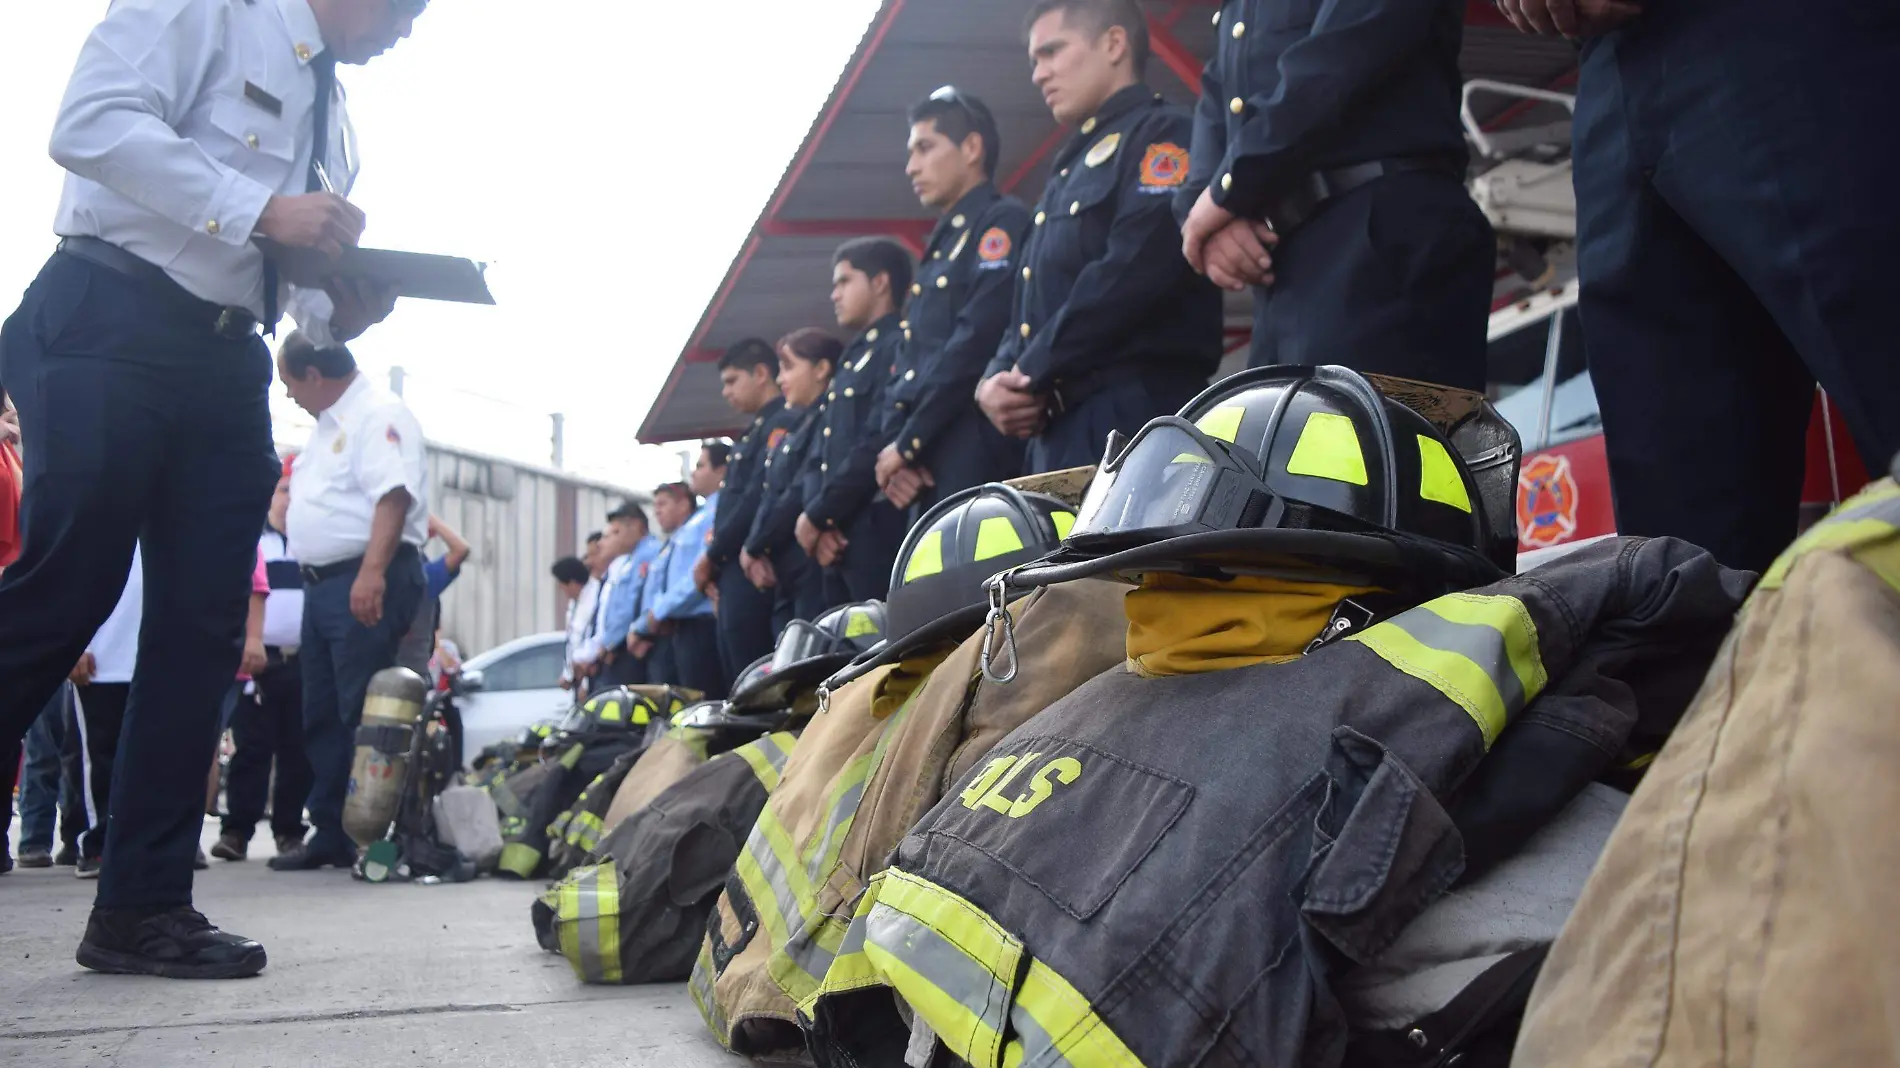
[[1075, 208], [212, 227], [871, 336], [303, 52], [910, 376], [901, 406], [827, 431], [937, 255], [1025, 274], [1040, 216], [915, 289], [1227, 182], [957, 222], [849, 392], [943, 281], [824, 467], [1065, 172], [1216, 18], [916, 443], [1236, 105], [1025, 329], [1240, 30], [903, 324], [833, 395], [251, 140]]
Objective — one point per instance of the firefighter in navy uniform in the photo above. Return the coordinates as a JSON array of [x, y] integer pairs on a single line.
[[1111, 326], [1328, 175], [748, 380], [848, 527], [772, 558], [941, 443]]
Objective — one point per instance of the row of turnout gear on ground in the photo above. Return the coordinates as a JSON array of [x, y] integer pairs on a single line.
[[807, 854], [636, 910], [1084, 889], [586, 745], [1759, 931]]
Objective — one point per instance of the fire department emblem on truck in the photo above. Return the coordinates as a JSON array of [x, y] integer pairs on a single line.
[[1546, 502]]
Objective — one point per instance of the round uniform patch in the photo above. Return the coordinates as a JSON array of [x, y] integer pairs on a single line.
[[1546, 501], [994, 246], [773, 439], [1166, 164]]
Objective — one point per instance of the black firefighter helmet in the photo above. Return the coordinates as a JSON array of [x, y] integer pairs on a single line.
[[938, 582], [1291, 469], [808, 652]]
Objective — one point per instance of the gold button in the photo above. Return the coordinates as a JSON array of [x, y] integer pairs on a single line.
[[251, 140], [1216, 18], [824, 467], [1236, 105], [1088, 127], [957, 222], [903, 324], [212, 227], [943, 282], [916, 443], [849, 392], [937, 255], [303, 52], [1075, 208], [1025, 329], [1065, 172], [906, 335], [910, 376], [1226, 182], [1040, 216], [785, 448], [1240, 30], [833, 395], [1025, 274], [872, 336], [827, 431], [915, 289]]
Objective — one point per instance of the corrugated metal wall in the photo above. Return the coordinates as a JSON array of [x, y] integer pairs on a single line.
[[518, 520]]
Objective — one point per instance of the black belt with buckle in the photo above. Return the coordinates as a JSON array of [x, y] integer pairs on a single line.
[[1069, 393], [1295, 207], [312, 575], [230, 323]]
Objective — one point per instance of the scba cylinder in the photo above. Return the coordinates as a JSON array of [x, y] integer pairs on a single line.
[[392, 713]]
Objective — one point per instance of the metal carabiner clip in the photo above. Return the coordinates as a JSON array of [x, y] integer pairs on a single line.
[[998, 617]]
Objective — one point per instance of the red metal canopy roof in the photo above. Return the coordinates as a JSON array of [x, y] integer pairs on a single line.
[[847, 179]]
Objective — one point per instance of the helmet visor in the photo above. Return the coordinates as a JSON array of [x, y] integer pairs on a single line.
[[802, 641], [1171, 480]]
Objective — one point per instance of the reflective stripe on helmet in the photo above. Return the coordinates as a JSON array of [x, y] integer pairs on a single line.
[[1222, 423], [1438, 477], [927, 558], [996, 536], [1479, 650], [1328, 448], [1866, 526], [1064, 521]]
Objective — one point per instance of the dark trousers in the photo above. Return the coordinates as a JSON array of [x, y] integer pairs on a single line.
[[864, 574], [696, 661], [139, 424], [970, 452], [745, 621], [95, 729], [1736, 233], [625, 669], [800, 591], [1392, 278], [267, 729], [1078, 436], [339, 656], [661, 668], [46, 790]]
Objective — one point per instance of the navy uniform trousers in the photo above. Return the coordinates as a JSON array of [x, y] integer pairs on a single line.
[[1078, 436], [864, 572], [745, 621], [1391, 278], [139, 424], [1736, 228]]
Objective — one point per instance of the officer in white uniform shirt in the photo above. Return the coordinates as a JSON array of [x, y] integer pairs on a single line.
[[196, 135], [359, 513]]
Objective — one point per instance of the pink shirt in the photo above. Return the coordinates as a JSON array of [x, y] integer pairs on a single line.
[[260, 583]]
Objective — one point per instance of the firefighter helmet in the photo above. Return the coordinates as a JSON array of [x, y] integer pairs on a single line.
[[618, 709], [937, 585], [807, 653], [1297, 467]]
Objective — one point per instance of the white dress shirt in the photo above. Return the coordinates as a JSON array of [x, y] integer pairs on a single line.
[[363, 446], [170, 158], [283, 609], [580, 624], [115, 647]]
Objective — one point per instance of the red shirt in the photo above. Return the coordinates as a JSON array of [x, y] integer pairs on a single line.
[[10, 488]]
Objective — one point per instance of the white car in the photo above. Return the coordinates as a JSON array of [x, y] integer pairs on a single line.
[[514, 685]]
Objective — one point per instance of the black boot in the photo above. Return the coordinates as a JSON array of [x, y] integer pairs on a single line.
[[312, 855], [176, 943]]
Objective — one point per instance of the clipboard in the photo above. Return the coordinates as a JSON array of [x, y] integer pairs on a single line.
[[419, 275]]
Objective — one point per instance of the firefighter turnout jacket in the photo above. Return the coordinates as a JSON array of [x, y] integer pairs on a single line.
[[1171, 869]]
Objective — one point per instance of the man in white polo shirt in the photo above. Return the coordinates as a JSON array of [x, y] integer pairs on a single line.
[[359, 513]]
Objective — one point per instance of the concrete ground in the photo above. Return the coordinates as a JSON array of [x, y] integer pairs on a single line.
[[396, 974]]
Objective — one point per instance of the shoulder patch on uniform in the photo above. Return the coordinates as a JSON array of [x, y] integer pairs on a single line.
[[773, 439], [1165, 166], [994, 246], [1100, 152]]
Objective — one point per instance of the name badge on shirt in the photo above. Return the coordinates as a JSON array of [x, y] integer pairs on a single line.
[[256, 95]]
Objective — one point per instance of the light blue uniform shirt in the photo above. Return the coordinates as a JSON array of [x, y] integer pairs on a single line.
[[670, 593], [623, 601]]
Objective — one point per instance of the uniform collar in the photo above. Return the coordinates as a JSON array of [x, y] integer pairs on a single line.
[[1124, 101], [354, 399], [306, 37], [968, 207], [887, 325], [769, 411]]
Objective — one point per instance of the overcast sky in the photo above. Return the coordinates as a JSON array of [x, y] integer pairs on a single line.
[[605, 158]]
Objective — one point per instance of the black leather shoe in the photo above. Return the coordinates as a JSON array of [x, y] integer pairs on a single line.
[[306, 858], [230, 847], [66, 857], [176, 943]]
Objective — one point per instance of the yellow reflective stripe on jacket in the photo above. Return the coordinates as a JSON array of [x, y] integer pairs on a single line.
[[519, 859], [700, 986], [955, 966], [767, 757], [1479, 650], [1864, 526], [587, 915]]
